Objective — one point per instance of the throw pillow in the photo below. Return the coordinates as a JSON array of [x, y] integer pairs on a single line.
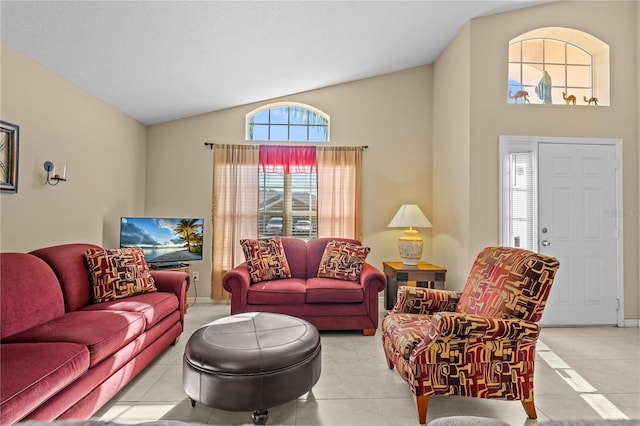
[[118, 273], [266, 259], [342, 260]]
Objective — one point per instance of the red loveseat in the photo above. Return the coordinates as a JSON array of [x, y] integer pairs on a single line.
[[327, 303], [62, 357]]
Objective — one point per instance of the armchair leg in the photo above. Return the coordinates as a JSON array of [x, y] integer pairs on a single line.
[[369, 332], [423, 404], [389, 362], [530, 409]]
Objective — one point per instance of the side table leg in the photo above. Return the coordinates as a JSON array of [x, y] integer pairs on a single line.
[[391, 293]]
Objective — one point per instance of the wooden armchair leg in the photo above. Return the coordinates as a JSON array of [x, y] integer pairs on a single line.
[[423, 404], [530, 409], [389, 362], [369, 332]]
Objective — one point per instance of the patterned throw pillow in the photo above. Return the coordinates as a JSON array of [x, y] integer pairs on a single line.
[[342, 260], [118, 273], [266, 259]]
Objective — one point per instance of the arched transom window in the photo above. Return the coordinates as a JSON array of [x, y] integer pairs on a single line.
[[558, 66], [294, 122]]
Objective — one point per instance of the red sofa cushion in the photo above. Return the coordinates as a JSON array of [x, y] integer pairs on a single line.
[[30, 292], [296, 251], [102, 332], [33, 372], [154, 306], [70, 266], [329, 290], [277, 292]]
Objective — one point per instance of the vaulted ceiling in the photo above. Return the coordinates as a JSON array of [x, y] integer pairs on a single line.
[[163, 60]]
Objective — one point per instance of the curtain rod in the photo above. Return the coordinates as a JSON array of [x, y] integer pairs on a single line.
[[211, 145]]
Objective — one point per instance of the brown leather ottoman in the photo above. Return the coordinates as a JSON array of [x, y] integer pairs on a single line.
[[251, 361]]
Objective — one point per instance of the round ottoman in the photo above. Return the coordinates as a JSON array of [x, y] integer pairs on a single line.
[[251, 361]]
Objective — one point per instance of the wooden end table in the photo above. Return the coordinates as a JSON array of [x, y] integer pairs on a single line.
[[424, 274]]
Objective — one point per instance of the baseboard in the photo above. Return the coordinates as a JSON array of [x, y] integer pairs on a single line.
[[631, 323]]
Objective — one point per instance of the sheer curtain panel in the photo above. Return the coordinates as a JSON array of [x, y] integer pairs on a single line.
[[234, 208], [339, 192]]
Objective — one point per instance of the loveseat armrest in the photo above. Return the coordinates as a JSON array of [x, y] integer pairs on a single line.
[[371, 279], [237, 282], [426, 301], [175, 282]]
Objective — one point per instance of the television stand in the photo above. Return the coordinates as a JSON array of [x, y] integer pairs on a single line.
[[168, 266], [178, 267]]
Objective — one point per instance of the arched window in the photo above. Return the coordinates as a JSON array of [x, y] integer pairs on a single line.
[[558, 66], [291, 121]]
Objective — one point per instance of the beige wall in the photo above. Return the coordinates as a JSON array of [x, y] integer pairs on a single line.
[[637, 49], [491, 116], [390, 113], [451, 165], [104, 151]]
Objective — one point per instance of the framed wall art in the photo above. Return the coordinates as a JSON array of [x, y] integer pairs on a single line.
[[9, 138]]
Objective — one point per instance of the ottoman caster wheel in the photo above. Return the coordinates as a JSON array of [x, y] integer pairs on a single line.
[[193, 402], [260, 417]]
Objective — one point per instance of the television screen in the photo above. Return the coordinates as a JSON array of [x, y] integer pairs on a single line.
[[164, 241]]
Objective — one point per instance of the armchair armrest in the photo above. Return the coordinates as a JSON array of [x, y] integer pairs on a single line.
[[175, 282], [237, 282], [426, 301], [451, 326]]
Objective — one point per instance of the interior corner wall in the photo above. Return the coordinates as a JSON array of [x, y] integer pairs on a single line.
[[637, 50], [391, 114], [452, 160], [104, 151], [492, 116]]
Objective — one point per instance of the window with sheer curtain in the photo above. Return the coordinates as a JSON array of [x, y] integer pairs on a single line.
[[245, 175]]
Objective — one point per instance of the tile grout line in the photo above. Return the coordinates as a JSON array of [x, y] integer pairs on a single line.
[[598, 402]]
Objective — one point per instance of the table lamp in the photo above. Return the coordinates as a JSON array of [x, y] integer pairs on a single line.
[[410, 244]]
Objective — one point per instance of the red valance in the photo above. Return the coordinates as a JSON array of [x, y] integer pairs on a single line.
[[287, 159]]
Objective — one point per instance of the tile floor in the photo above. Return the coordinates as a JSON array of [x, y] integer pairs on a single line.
[[581, 373]]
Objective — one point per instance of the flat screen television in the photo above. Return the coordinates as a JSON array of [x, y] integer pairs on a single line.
[[165, 242]]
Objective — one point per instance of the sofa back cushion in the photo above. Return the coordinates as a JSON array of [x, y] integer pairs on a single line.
[[296, 252], [315, 250], [69, 263], [31, 294], [508, 282]]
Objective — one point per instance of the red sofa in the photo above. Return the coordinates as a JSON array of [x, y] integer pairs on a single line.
[[62, 357], [327, 303]]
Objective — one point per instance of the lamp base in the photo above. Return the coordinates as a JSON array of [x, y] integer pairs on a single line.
[[410, 246]]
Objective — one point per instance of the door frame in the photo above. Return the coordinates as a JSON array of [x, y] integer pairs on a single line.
[[513, 143]]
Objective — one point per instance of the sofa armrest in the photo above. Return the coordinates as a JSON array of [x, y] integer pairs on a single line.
[[372, 279], [173, 282], [237, 282], [426, 301]]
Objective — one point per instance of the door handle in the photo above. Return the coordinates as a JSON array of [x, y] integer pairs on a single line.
[[546, 243]]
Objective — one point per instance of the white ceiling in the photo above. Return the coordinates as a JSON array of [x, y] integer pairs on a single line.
[[162, 60]]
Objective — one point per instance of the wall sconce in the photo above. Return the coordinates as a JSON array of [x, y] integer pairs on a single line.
[[54, 178]]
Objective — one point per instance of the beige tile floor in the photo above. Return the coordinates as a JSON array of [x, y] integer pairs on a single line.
[[581, 373]]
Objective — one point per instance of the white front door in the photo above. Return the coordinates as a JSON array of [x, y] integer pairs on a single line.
[[577, 225]]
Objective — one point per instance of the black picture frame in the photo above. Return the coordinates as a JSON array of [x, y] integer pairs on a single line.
[[9, 140]]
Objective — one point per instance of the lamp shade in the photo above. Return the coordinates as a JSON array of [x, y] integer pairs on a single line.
[[409, 215]]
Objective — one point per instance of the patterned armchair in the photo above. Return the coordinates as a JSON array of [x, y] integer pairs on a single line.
[[479, 342]]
